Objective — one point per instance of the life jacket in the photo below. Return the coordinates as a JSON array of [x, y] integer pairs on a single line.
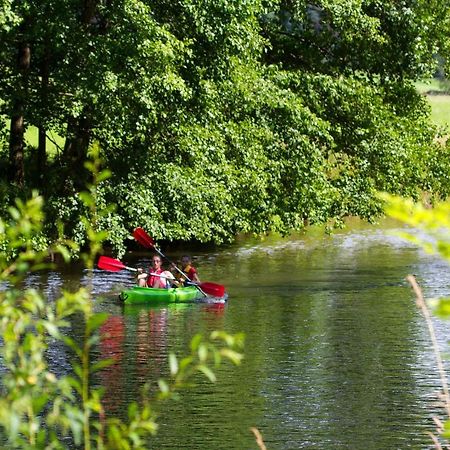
[[151, 279], [189, 272]]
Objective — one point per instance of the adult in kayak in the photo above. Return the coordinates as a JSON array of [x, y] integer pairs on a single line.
[[154, 281], [158, 277]]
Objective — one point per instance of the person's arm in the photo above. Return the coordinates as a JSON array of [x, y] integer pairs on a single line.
[[141, 277], [194, 275]]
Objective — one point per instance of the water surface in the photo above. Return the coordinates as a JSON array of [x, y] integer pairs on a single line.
[[336, 356]]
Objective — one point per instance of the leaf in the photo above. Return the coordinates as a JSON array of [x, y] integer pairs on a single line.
[[96, 321], [195, 341], [103, 175], [39, 403], [102, 364], [52, 329], [72, 345], [233, 356], [86, 198], [163, 387], [208, 373], [442, 308], [202, 352], [173, 364]]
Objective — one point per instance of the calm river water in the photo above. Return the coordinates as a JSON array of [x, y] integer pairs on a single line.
[[336, 356]]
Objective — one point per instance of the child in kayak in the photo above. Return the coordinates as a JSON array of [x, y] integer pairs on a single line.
[[153, 280], [166, 278], [189, 270]]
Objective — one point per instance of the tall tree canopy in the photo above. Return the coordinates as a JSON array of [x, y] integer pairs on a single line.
[[219, 117]]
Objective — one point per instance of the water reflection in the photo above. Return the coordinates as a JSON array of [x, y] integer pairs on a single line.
[[112, 347], [337, 356]]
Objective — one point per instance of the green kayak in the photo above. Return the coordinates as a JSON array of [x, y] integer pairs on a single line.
[[152, 295]]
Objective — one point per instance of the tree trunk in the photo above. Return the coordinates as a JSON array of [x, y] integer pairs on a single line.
[[16, 146], [89, 8], [75, 149], [42, 143], [17, 129], [42, 151], [79, 129]]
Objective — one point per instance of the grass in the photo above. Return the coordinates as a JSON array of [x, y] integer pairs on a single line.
[[440, 109], [32, 138], [433, 84], [437, 94]]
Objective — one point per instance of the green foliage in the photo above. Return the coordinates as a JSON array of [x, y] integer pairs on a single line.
[[39, 409], [381, 38], [221, 117], [435, 222]]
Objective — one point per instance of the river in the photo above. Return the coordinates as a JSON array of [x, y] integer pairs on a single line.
[[337, 356]]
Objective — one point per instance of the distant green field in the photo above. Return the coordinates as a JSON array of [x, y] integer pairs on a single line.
[[439, 100], [32, 137], [440, 109], [434, 85]]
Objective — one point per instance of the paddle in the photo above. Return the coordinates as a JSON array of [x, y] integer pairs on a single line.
[[214, 289], [113, 265]]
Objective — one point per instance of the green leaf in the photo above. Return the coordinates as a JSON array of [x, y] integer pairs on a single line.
[[202, 352], [208, 373], [195, 341], [86, 198], [96, 321], [441, 308], [163, 387], [173, 364], [102, 364]]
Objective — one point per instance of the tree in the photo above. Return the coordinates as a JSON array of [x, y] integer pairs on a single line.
[[380, 38], [220, 117]]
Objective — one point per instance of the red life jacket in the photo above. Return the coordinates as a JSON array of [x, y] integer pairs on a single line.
[[157, 282]]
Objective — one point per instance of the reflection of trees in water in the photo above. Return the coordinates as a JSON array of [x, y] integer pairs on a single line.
[[112, 335], [139, 342], [151, 343]]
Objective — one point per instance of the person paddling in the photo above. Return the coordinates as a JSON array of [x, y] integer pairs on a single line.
[[153, 280], [189, 270]]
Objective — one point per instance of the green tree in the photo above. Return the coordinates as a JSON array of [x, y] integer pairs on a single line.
[[217, 118]]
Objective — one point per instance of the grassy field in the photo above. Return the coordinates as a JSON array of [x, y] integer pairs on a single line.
[[437, 94], [440, 110], [428, 85], [32, 137]]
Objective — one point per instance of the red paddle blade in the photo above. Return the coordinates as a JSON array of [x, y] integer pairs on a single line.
[[216, 290], [111, 264], [143, 238]]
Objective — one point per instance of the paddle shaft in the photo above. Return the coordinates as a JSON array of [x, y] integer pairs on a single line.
[[160, 253], [147, 241], [172, 263]]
